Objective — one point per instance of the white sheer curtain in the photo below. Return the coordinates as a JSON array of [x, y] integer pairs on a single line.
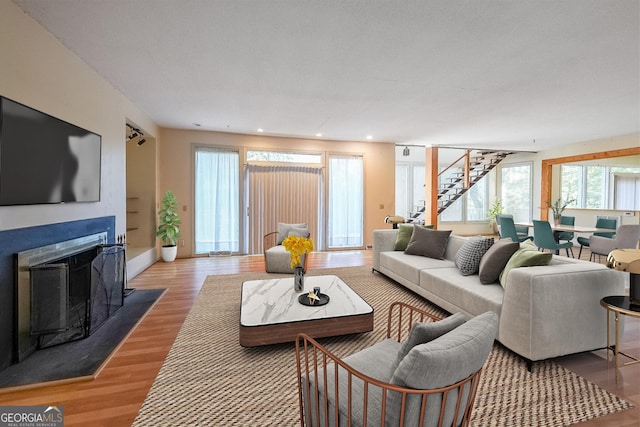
[[627, 191], [217, 201], [346, 199]]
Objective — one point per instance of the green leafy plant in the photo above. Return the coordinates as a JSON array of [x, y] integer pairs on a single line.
[[495, 209], [558, 207], [169, 228]]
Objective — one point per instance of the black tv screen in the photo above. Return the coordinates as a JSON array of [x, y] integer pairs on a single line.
[[44, 159]]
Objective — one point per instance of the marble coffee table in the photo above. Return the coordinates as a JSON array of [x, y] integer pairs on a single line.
[[270, 312]]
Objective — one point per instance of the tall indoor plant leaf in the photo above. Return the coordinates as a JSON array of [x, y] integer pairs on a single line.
[[169, 227]]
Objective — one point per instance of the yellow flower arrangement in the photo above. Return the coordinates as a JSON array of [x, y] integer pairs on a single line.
[[297, 246]]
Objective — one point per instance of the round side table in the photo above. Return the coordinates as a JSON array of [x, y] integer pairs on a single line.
[[619, 305]]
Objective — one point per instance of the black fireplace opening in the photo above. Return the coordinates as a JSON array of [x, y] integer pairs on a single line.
[[70, 294]]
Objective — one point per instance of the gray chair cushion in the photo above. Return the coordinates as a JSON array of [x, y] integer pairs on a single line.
[[284, 229], [278, 260], [442, 362], [423, 332]]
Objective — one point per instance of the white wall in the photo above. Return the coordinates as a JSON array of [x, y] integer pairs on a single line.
[[38, 71]]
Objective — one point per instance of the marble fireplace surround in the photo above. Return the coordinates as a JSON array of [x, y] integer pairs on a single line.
[[17, 240]]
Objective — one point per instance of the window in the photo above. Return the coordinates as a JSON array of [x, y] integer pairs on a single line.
[[516, 190], [217, 201], [410, 192], [600, 187], [472, 206], [346, 199]]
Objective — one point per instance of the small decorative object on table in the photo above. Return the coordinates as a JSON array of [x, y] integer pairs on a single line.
[[557, 208], [298, 246], [313, 298]]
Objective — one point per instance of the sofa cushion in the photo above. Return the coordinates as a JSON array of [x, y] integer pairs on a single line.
[[423, 332], [452, 291], [404, 235], [399, 265], [285, 229], [428, 243], [527, 256], [469, 256], [496, 258]]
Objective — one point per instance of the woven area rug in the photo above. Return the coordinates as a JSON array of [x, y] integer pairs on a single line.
[[209, 379]]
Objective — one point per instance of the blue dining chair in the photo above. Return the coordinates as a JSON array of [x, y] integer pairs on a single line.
[[610, 223], [544, 239]]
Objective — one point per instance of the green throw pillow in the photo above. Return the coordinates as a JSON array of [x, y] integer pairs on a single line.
[[527, 256], [404, 235]]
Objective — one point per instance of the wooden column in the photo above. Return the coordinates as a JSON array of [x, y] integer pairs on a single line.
[[431, 187]]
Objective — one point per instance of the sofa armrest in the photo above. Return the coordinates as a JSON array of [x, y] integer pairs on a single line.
[[554, 310], [383, 241]]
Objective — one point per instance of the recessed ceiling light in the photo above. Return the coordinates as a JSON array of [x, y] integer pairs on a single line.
[[318, 134], [369, 137], [260, 130]]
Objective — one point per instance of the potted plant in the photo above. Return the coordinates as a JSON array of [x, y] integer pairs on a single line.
[[557, 208], [495, 209], [169, 227]]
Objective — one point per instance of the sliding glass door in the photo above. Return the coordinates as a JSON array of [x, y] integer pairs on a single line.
[[217, 201], [346, 200]]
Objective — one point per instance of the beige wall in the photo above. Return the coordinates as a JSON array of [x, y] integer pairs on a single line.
[[176, 170], [38, 71]]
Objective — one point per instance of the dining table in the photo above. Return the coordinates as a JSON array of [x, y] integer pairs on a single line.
[[559, 228], [570, 228]]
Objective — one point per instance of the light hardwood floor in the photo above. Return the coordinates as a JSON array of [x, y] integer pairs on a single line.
[[115, 396]]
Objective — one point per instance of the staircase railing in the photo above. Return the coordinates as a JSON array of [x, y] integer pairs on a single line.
[[474, 165]]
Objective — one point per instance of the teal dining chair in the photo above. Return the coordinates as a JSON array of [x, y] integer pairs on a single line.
[[566, 235], [508, 231], [521, 230], [544, 239], [610, 223]]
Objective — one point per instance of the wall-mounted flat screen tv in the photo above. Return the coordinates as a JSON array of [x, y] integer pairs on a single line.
[[44, 159]]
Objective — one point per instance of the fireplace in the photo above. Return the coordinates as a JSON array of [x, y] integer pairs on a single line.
[[66, 290]]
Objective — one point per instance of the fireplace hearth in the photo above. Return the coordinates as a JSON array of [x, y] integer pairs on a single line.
[[66, 291]]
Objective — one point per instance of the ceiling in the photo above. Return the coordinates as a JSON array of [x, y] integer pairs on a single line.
[[515, 75]]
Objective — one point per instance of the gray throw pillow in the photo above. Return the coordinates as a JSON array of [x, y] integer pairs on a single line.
[[496, 258], [404, 235], [423, 332], [428, 243], [284, 229], [470, 254]]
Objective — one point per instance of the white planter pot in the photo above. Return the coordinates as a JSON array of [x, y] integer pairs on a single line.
[[169, 253]]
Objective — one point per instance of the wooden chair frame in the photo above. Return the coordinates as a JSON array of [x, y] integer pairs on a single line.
[[314, 359]]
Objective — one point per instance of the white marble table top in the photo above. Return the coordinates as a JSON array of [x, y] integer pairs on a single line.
[[274, 301]]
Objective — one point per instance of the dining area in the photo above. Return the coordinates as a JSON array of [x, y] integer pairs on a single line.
[[561, 235]]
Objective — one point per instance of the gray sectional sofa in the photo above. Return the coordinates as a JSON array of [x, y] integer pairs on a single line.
[[545, 311]]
